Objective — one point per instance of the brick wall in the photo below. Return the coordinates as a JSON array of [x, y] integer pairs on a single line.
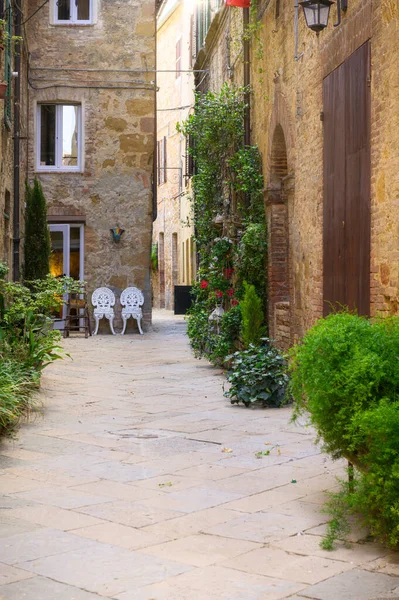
[[287, 103]]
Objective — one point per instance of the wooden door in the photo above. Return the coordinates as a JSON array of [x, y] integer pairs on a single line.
[[346, 225]]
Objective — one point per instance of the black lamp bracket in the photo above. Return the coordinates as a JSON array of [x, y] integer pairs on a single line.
[[342, 5]]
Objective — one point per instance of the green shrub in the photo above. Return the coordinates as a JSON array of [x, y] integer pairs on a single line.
[[252, 317], [258, 375], [16, 387], [28, 342], [251, 260], [344, 365], [37, 235], [346, 374]]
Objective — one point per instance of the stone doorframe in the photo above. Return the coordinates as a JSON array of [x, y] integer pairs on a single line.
[[279, 196]]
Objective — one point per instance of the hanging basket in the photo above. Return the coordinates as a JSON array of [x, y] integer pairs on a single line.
[[3, 89]]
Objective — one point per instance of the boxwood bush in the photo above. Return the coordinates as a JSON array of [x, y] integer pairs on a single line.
[[345, 374]]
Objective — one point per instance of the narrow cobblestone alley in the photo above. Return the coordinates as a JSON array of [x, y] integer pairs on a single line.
[[139, 481]]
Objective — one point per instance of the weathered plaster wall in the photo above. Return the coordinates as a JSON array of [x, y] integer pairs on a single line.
[[174, 91], [102, 67]]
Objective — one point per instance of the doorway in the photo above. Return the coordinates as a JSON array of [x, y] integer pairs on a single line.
[[67, 257], [347, 215]]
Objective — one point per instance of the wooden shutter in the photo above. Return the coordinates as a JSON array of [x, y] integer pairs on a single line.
[[164, 161], [346, 228], [178, 58]]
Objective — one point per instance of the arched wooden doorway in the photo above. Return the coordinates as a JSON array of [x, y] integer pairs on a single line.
[[277, 213]]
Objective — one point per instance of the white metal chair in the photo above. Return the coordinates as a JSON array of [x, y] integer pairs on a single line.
[[131, 300], [103, 300]]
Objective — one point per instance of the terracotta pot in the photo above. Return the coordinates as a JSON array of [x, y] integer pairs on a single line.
[[3, 89]]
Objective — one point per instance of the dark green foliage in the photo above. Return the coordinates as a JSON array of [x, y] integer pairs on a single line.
[[251, 259], [252, 317], [344, 365], [228, 184], [346, 374], [16, 387], [258, 375], [37, 248], [28, 342]]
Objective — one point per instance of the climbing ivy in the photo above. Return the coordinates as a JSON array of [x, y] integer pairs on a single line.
[[228, 214]]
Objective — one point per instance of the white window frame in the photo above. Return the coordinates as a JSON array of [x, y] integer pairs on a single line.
[[58, 167], [74, 14]]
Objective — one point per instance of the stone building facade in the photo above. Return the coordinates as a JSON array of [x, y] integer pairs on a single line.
[[13, 136], [325, 115], [173, 232], [91, 136]]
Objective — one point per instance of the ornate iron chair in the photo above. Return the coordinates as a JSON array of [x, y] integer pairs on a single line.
[[131, 300], [103, 300]]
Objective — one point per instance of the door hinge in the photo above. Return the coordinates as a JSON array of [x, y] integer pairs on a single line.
[[321, 115], [369, 81]]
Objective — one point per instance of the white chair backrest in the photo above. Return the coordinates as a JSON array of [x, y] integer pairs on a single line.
[[132, 297], [103, 298]]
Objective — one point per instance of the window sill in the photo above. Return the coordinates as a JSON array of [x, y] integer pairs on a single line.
[[67, 24], [55, 171]]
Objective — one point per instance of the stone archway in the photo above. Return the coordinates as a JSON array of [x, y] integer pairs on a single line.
[[279, 268]]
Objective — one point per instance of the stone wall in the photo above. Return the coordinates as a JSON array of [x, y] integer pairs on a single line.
[[288, 98], [107, 68], [7, 159]]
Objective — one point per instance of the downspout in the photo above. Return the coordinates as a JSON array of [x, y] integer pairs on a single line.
[[155, 158], [296, 25], [17, 154], [247, 79]]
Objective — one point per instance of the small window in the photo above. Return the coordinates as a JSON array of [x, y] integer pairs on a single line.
[[73, 11], [161, 161], [59, 137]]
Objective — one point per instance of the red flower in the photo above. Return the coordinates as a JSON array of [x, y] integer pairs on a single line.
[[230, 293], [204, 284], [219, 294], [228, 273], [234, 302]]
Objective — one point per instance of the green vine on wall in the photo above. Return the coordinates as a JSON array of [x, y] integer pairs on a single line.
[[228, 214]]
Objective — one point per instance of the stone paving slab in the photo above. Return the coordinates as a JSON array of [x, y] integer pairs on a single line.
[[138, 480]]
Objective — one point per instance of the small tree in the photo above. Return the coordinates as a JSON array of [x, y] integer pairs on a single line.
[[37, 234], [252, 317]]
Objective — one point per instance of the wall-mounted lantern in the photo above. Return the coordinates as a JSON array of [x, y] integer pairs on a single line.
[[117, 233], [316, 13]]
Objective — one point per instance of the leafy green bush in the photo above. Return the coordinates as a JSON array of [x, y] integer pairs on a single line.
[[251, 259], [252, 317], [16, 386], [345, 364], [346, 374], [28, 342], [258, 375]]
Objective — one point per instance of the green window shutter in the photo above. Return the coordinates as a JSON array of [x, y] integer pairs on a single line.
[[8, 65]]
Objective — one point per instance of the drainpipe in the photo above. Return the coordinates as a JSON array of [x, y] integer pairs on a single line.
[[17, 154], [155, 157], [247, 81], [296, 26]]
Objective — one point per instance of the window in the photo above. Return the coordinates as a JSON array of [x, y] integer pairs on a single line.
[[161, 161], [178, 58], [59, 137], [73, 11]]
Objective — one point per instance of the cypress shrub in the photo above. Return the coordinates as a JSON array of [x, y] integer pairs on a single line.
[[37, 234], [252, 317]]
